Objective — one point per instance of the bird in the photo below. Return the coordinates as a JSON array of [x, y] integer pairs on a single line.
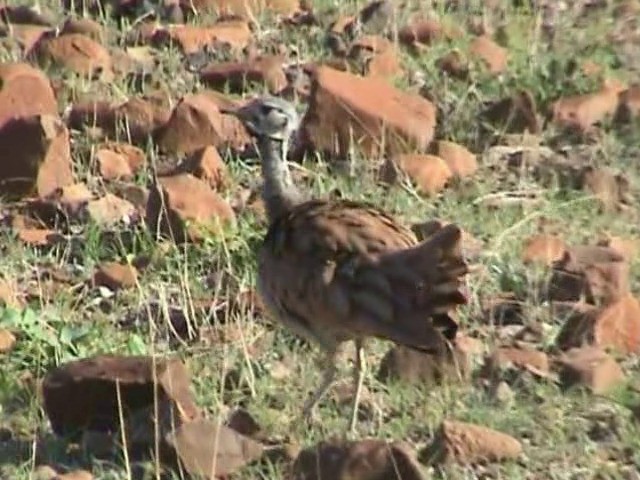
[[339, 270]]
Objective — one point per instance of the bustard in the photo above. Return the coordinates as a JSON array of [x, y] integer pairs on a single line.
[[339, 270]]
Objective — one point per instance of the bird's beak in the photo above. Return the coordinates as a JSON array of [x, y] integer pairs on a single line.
[[242, 114]]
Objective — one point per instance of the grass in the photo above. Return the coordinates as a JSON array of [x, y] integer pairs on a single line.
[[554, 426]]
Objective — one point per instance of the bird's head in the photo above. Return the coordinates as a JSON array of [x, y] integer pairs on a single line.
[[268, 117]]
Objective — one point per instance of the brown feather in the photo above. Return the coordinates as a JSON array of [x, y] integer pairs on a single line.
[[348, 270]]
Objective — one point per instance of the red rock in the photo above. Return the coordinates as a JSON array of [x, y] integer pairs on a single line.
[[598, 273], [467, 443], [629, 248], [364, 459], [428, 172], [493, 55], [340, 110], [192, 38], [38, 237], [423, 31], [528, 359], [76, 52], [616, 326], [583, 111], [197, 122], [191, 443], [544, 249], [110, 210], [250, 10], [206, 164], [25, 15], [454, 64], [36, 155], [137, 118], [378, 54], [84, 26], [187, 200], [24, 92], [119, 160], [7, 341], [28, 36], [460, 161], [236, 76], [591, 367], [83, 394], [628, 104], [115, 276]]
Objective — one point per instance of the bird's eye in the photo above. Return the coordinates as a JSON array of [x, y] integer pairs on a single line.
[[265, 110]]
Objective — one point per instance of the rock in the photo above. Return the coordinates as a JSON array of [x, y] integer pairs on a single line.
[[10, 295], [543, 249], [376, 16], [197, 122], [7, 341], [210, 450], [598, 273], [115, 276], [75, 475], [629, 248], [249, 10], [77, 53], [84, 26], [628, 107], [454, 64], [44, 472], [422, 32], [460, 161], [112, 165], [24, 92], [235, 77], [514, 114], [207, 165], [36, 155], [378, 56], [503, 308], [243, 422], [610, 189], [39, 237], [429, 173], [467, 443], [531, 360], [82, 394], [190, 38], [591, 367], [110, 210], [119, 160], [339, 110], [493, 55], [364, 459], [135, 119], [24, 37], [417, 368], [581, 112], [23, 14], [186, 199], [616, 325]]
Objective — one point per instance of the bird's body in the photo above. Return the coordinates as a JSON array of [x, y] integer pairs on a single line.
[[338, 270]]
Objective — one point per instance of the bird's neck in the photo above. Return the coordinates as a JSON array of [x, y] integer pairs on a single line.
[[278, 191]]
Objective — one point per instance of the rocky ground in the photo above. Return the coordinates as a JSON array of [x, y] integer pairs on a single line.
[[131, 337]]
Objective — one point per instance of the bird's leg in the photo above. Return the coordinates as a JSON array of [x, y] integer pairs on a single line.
[[358, 380], [327, 380]]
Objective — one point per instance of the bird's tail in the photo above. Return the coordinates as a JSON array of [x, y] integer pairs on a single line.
[[427, 283]]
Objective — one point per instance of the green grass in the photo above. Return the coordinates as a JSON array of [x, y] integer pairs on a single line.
[[554, 426]]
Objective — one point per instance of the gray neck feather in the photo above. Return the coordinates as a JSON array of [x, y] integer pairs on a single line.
[[278, 190]]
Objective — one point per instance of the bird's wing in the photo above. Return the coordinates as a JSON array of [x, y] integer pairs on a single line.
[[341, 269]]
